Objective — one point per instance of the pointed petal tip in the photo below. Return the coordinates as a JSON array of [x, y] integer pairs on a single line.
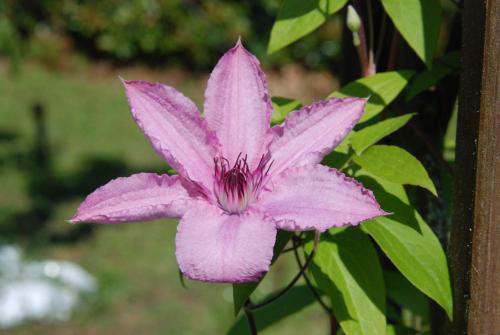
[[238, 46]]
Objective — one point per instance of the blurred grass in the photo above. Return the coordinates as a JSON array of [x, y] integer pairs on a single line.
[[87, 120]]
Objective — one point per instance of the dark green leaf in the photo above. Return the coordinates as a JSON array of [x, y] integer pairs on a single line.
[[441, 67], [401, 291], [181, 279], [241, 292], [370, 135], [381, 88], [340, 155], [408, 241], [396, 165], [290, 303], [347, 268], [283, 106], [418, 21], [298, 18]]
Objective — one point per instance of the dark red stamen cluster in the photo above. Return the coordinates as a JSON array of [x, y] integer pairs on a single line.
[[236, 186]]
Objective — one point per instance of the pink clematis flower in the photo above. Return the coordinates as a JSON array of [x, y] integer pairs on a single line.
[[239, 180]]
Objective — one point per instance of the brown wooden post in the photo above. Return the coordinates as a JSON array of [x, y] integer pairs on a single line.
[[484, 310], [475, 235]]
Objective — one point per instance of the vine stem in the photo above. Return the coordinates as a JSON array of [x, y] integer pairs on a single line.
[[364, 51], [381, 38], [251, 306], [393, 51], [308, 282], [250, 317], [371, 34]]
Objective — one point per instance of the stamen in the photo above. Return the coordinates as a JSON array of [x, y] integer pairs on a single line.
[[235, 187]]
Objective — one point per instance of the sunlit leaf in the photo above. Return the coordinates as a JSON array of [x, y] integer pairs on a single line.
[[381, 89], [399, 330], [347, 268], [370, 135], [282, 106], [408, 241], [396, 165], [418, 21], [298, 18]]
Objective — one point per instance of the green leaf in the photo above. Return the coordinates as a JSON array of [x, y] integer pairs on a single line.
[[441, 67], [399, 330], [400, 290], [341, 154], [418, 21], [408, 241], [282, 106], [298, 18], [241, 292], [347, 268], [381, 88], [368, 136], [290, 303], [396, 165], [181, 279], [450, 136]]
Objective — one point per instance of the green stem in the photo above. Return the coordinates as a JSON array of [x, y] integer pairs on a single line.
[[250, 317], [309, 284], [294, 280]]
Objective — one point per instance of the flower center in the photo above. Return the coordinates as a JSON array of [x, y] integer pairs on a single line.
[[237, 186]]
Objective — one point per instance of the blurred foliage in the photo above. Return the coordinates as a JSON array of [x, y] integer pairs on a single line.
[[191, 33]]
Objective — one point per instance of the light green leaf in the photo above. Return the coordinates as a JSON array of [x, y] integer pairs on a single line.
[[241, 292], [450, 136], [347, 268], [298, 18], [408, 241], [381, 88], [418, 21], [441, 67], [290, 303], [282, 106], [396, 165], [368, 136], [399, 330]]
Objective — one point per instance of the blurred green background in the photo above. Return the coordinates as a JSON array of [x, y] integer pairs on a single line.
[[65, 129]]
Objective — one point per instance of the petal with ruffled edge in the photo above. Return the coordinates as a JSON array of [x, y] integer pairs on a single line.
[[317, 197], [313, 131], [216, 247], [175, 128], [237, 105], [140, 197]]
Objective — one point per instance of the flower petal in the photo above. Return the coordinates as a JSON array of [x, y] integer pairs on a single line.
[[317, 197], [216, 247], [140, 197], [237, 105], [175, 128], [313, 131]]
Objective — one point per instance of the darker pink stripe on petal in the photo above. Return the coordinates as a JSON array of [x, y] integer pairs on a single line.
[[313, 131], [175, 128], [237, 105], [140, 197], [315, 197]]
